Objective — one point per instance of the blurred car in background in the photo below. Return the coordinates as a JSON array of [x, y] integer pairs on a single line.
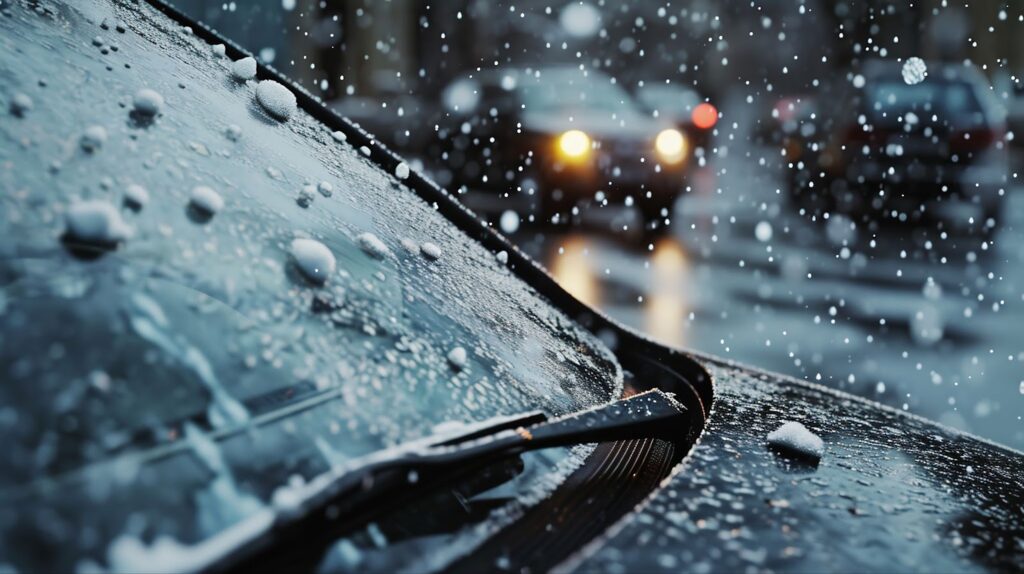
[[881, 146], [563, 137], [684, 107]]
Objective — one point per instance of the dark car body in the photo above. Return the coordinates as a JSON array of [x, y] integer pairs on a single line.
[[503, 127], [124, 368], [682, 106], [879, 145]]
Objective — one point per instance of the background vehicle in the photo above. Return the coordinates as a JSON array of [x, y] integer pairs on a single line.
[[563, 137], [907, 152], [682, 106], [170, 388]]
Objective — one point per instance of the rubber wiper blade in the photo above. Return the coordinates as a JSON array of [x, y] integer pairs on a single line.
[[350, 496]]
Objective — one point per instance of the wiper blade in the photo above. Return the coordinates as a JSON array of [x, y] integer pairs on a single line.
[[344, 498]]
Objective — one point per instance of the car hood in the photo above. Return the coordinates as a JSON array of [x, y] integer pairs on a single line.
[[892, 492]]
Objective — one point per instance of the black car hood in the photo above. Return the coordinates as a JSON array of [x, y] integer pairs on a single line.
[[892, 492]]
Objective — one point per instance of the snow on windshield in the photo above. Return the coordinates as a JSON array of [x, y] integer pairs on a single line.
[[181, 336]]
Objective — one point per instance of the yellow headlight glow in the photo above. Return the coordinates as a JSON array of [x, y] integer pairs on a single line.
[[574, 144], [671, 146]]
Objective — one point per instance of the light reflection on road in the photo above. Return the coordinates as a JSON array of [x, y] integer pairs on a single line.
[[570, 264], [666, 303], [574, 263]]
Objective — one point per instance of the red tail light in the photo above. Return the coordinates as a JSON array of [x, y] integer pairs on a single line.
[[704, 116]]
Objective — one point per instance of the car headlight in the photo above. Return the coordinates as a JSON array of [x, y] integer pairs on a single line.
[[574, 144], [671, 146]]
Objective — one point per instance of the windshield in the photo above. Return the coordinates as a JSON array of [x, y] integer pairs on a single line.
[[665, 99], [208, 297], [955, 102], [554, 90]]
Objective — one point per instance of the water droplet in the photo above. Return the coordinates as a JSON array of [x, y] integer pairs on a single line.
[[313, 259]]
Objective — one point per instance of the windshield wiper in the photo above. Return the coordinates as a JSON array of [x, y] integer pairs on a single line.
[[317, 513]]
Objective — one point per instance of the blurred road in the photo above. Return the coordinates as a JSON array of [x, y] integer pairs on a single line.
[[903, 316]]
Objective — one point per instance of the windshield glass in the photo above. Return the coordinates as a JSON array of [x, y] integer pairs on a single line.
[[208, 297], [666, 99], [953, 101], [552, 90]]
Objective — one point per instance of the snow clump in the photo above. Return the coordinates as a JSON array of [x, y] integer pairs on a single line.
[[206, 200], [306, 196], [233, 132], [914, 71], [458, 358], [372, 245], [97, 222], [21, 104], [431, 251], [276, 99], [244, 69], [313, 259], [148, 102], [136, 196], [93, 138], [795, 438]]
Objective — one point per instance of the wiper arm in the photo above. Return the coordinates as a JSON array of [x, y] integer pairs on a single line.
[[345, 497]]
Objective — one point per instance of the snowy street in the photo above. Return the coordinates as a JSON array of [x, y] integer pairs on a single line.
[[935, 331]]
